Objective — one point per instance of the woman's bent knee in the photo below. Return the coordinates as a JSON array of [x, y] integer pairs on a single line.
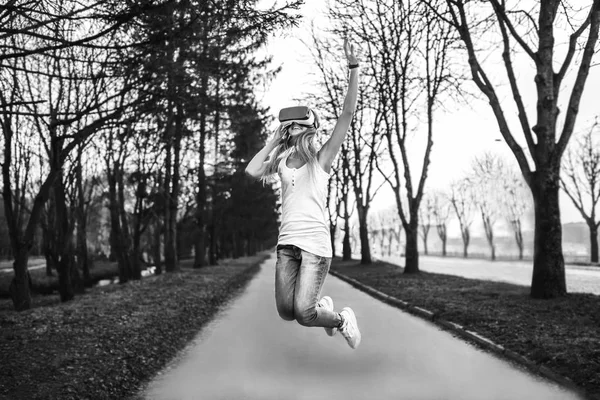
[[307, 316], [286, 313]]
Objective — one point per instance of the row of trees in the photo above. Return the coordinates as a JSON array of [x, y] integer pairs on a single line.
[[494, 192], [137, 115], [406, 74], [411, 71]]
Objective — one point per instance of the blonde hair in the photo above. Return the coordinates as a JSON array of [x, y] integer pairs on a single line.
[[304, 147]]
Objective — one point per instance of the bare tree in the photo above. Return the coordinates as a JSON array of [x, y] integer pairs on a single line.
[[378, 229], [486, 173], [546, 139], [441, 215], [332, 96], [115, 158], [344, 188], [64, 116], [35, 22], [338, 188], [426, 214], [408, 64], [88, 196], [582, 181], [391, 229], [515, 201], [363, 143], [461, 198]]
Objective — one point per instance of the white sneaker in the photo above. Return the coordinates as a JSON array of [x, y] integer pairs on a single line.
[[327, 303], [349, 328]]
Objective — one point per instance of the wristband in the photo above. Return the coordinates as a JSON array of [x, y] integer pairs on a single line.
[[351, 66]]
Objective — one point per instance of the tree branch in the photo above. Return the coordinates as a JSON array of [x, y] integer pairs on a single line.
[[582, 74]]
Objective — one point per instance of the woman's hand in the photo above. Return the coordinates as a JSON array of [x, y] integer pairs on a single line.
[[278, 136], [350, 50]]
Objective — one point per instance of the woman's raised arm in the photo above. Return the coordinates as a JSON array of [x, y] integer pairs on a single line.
[[330, 149], [256, 167]]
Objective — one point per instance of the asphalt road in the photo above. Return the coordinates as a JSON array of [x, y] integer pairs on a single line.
[[249, 353], [579, 278]]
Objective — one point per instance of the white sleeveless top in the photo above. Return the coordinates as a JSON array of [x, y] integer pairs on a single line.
[[304, 220]]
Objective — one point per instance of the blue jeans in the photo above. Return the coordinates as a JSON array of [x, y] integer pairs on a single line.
[[299, 277]]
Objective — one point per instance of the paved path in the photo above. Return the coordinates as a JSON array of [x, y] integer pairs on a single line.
[[249, 353], [579, 278]]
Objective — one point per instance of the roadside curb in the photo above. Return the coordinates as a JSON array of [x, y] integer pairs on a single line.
[[468, 335]]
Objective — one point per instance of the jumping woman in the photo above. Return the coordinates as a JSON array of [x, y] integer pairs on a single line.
[[304, 246]]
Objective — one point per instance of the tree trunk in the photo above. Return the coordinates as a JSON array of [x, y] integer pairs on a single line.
[[82, 253], [521, 252], [411, 251], [169, 237], [136, 270], [332, 238], [346, 246], [518, 236], [76, 280], [125, 235], [112, 256], [382, 243], [425, 234], [20, 286], [213, 230], [466, 239], [46, 243], [138, 217], [156, 249], [548, 280], [200, 248], [65, 283], [171, 226], [212, 254], [63, 248], [441, 230], [489, 234], [363, 229], [490, 238], [593, 243], [200, 245], [119, 250], [167, 201]]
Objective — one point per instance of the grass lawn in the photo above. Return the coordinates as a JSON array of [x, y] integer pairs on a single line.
[[107, 343], [562, 334]]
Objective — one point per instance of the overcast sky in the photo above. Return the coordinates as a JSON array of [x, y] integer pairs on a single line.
[[459, 136]]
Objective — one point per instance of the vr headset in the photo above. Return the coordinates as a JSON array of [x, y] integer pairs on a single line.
[[301, 115]]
